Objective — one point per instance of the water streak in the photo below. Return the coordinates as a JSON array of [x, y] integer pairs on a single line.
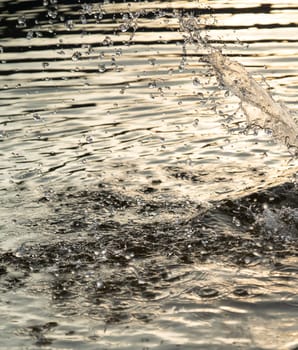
[[257, 103]]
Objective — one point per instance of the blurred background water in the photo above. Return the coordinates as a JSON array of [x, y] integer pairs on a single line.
[[117, 93]]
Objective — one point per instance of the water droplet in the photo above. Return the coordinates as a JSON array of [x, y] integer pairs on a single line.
[[89, 139], [118, 52], [21, 22], [152, 61], [195, 122], [45, 65], [236, 221], [36, 116], [87, 9], [69, 24], [181, 68], [83, 19], [248, 260], [196, 82], [124, 27], [102, 68], [76, 56], [52, 14], [30, 35], [107, 41], [152, 84]]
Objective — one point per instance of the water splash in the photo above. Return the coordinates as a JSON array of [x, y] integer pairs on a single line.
[[257, 103]]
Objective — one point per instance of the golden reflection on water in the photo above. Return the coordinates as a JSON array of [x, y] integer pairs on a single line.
[[76, 110]]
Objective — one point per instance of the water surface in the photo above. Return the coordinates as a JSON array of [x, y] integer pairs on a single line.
[[137, 208]]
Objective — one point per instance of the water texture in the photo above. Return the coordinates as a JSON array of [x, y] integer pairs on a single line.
[[147, 200]]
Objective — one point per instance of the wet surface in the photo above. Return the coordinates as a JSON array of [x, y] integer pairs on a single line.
[[138, 209], [156, 254]]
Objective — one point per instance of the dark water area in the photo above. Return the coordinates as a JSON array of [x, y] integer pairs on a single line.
[[139, 208]]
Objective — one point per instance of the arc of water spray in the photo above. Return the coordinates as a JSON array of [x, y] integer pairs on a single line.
[[257, 103]]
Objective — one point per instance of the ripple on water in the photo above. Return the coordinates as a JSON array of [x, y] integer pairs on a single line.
[[190, 239]]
